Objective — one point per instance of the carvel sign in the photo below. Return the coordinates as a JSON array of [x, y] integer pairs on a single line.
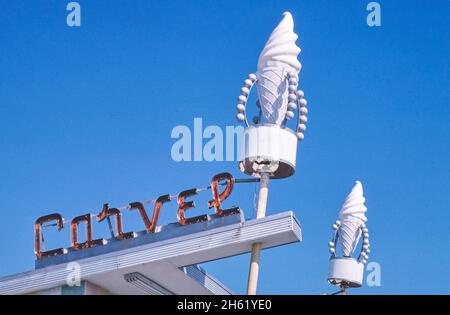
[[225, 179]]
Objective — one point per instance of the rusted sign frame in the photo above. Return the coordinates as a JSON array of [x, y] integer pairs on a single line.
[[108, 212], [38, 235], [184, 205], [219, 197], [87, 218]]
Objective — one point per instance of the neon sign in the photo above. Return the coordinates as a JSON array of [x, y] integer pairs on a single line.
[[225, 179]]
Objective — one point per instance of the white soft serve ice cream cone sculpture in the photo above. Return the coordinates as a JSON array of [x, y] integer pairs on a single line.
[[352, 217], [270, 145], [345, 270], [276, 80], [276, 61]]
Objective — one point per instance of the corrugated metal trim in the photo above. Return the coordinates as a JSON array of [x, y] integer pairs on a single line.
[[201, 276]]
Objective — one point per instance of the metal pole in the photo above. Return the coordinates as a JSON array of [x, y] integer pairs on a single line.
[[256, 248]]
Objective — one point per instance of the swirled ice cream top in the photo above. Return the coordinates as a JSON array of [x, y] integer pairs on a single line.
[[280, 50], [354, 207]]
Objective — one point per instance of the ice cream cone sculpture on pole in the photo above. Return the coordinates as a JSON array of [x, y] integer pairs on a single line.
[[345, 270], [270, 147], [270, 144]]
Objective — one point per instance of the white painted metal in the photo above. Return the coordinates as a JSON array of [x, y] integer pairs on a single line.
[[163, 272], [210, 283], [346, 271], [256, 248], [253, 273], [269, 144], [145, 284]]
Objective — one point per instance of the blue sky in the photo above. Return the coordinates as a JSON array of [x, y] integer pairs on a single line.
[[86, 116]]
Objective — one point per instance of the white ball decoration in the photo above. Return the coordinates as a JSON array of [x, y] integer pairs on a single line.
[[240, 108], [331, 244], [365, 230], [303, 110], [364, 261], [338, 223], [245, 91], [366, 235], [240, 117], [300, 136], [332, 250], [292, 106], [291, 74], [303, 118], [252, 77], [292, 97], [248, 83], [292, 81], [300, 94], [292, 88], [242, 99], [303, 102], [302, 127], [366, 242], [335, 227], [289, 114]]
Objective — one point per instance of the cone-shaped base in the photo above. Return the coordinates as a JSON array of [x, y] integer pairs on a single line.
[[349, 235], [273, 94]]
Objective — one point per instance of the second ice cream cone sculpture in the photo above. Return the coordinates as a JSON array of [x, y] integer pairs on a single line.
[[344, 270], [351, 225]]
